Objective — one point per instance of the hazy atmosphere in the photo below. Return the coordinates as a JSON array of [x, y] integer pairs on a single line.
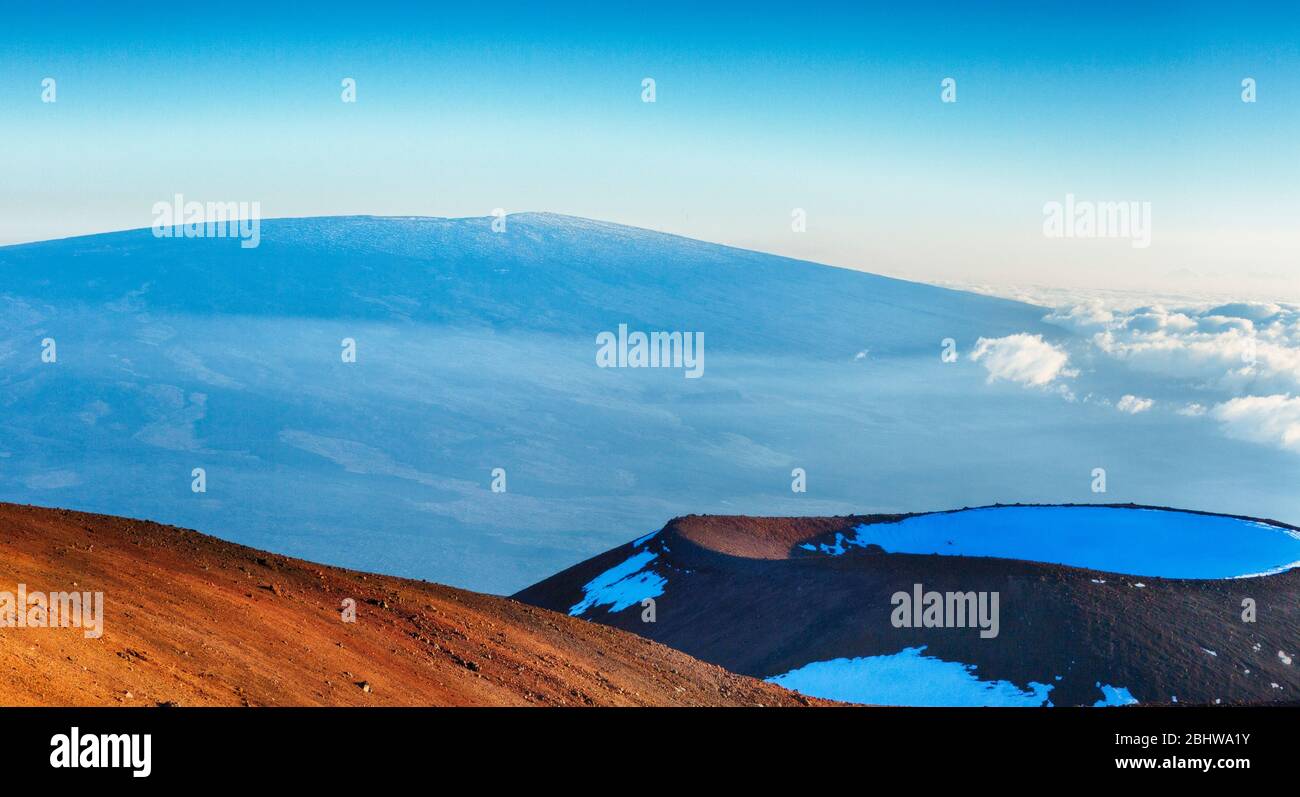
[[834, 110]]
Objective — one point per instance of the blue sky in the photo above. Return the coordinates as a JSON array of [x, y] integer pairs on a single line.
[[760, 109]]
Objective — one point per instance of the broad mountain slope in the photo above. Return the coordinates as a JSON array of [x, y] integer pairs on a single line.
[[192, 620], [749, 594], [477, 351], [545, 273]]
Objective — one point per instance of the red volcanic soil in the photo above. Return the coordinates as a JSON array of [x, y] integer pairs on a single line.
[[193, 620], [740, 593], [759, 537]]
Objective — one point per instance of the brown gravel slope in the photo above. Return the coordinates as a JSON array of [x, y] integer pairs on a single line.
[[193, 620]]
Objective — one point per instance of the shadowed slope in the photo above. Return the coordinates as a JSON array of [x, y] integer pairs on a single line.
[[745, 593]]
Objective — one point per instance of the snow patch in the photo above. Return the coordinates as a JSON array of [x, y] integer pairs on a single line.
[[1144, 542], [1114, 696], [907, 678], [622, 585]]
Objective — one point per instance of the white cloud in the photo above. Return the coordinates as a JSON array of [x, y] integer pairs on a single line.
[[52, 480], [1023, 358], [357, 457], [741, 451], [1246, 347], [1158, 320], [1239, 361], [1271, 420], [93, 412], [174, 416], [1134, 404], [1087, 316]]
